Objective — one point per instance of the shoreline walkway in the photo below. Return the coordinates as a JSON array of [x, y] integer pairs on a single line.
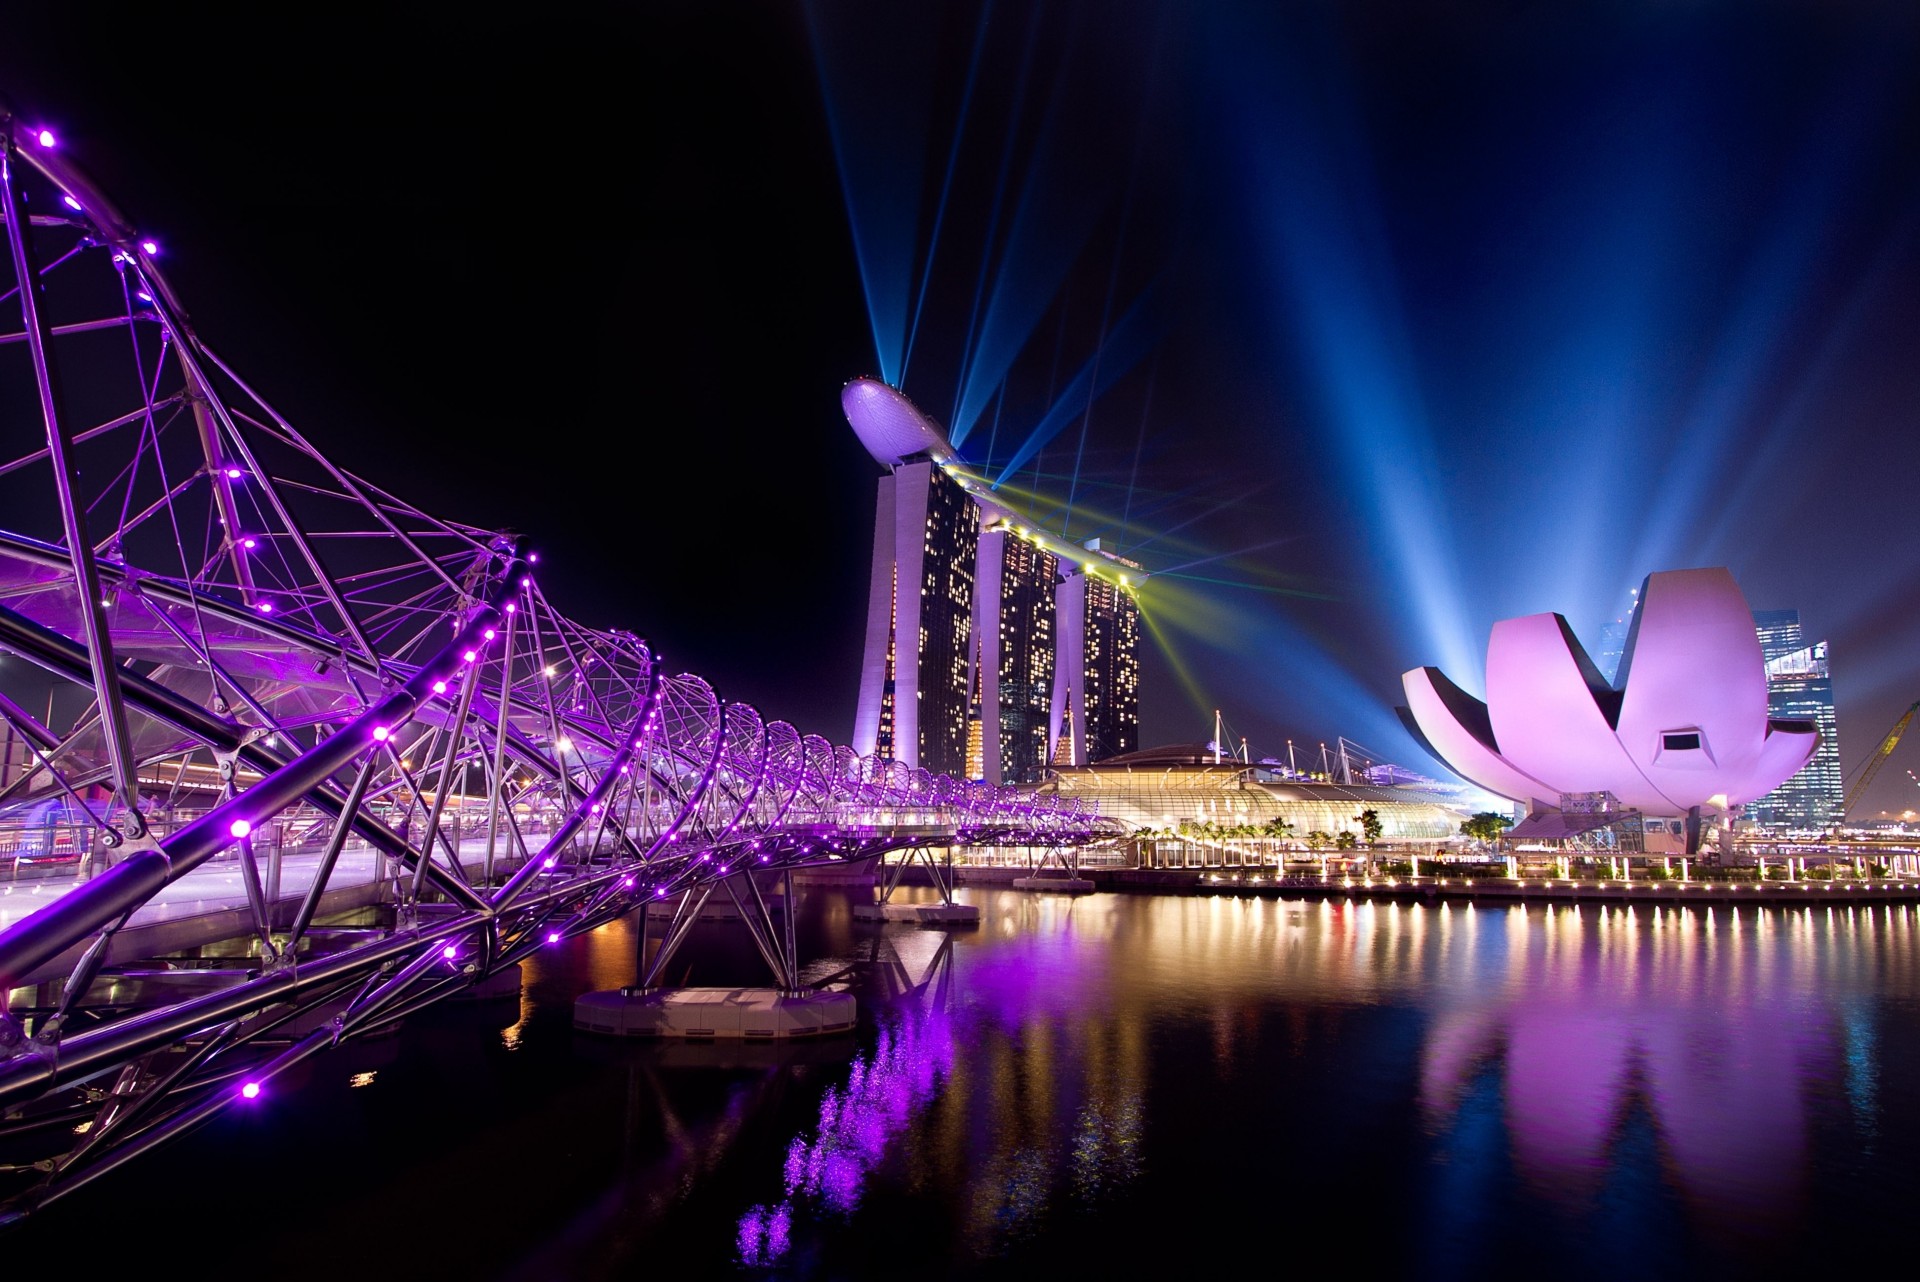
[[1498, 890]]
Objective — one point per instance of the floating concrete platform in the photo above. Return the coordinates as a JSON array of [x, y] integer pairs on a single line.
[[922, 914], [1061, 885], [760, 1014]]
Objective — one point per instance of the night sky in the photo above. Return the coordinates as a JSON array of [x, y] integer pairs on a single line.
[[1363, 327]]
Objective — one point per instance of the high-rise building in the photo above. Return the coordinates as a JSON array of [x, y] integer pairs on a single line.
[[914, 673], [969, 669], [1799, 688], [1013, 621], [1096, 692], [914, 676]]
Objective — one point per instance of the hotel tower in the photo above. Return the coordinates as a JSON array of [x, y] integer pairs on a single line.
[[981, 661]]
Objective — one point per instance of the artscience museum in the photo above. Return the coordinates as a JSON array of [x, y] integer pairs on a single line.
[[1680, 739]]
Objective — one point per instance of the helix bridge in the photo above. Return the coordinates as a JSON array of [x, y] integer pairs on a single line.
[[369, 727]]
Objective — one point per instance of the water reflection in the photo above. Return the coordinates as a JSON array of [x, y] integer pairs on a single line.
[[1712, 1027], [1005, 1085], [1592, 1062], [883, 1091]]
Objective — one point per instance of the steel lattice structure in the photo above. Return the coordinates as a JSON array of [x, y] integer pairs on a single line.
[[282, 663]]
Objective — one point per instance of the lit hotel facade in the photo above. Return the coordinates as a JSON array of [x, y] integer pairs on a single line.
[[980, 660], [1096, 703], [1800, 688], [1014, 674]]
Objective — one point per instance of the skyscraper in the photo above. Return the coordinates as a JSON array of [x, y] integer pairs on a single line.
[[1014, 624], [915, 667], [1799, 687], [1096, 693], [969, 668], [913, 680]]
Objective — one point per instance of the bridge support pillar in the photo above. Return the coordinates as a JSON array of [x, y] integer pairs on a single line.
[[1064, 876], [948, 912]]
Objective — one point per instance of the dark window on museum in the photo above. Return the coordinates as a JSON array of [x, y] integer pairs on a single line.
[[1679, 742]]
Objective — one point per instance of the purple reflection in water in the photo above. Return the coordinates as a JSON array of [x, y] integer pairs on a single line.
[[765, 1235], [1686, 1015], [884, 1091]]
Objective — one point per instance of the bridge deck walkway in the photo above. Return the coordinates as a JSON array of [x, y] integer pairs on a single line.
[[209, 904]]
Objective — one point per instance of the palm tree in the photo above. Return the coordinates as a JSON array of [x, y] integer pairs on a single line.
[[1276, 830], [1370, 825]]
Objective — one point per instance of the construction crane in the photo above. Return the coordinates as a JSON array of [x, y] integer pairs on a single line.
[[1871, 766]]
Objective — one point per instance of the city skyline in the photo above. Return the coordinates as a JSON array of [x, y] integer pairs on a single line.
[[1668, 353]]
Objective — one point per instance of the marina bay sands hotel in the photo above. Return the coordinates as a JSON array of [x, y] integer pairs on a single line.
[[993, 649]]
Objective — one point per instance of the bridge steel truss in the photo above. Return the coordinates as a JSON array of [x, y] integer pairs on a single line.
[[273, 656]]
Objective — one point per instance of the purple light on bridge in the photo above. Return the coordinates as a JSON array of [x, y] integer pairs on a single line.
[[44, 137], [71, 203], [380, 734], [450, 952], [468, 657], [510, 607], [249, 544], [548, 863], [239, 828], [149, 247], [553, 937], [266, 607], [234, 474], [250, 1091], [439, 687]]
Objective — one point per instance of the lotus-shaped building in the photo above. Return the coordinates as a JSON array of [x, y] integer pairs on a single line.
[[1682, 730]]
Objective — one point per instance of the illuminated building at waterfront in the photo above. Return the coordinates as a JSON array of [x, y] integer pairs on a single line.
[[1685, 730], [1096, 699], [1799, 688], [915, 667], [992, 648], [1179, 785], [1014, 675]]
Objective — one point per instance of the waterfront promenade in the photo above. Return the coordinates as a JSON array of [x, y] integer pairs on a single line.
[[1479, 889]]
